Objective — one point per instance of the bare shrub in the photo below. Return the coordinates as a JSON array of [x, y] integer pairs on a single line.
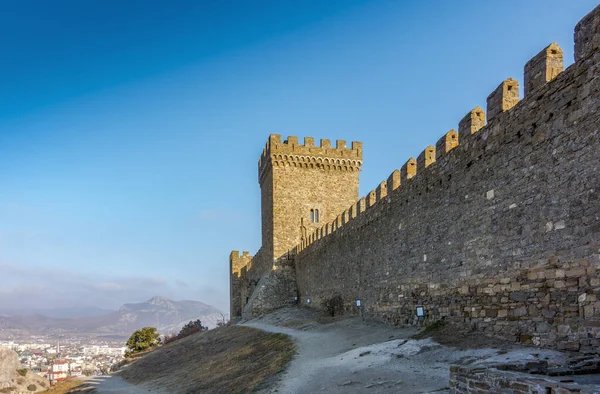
[[191, 328], [334, 305]]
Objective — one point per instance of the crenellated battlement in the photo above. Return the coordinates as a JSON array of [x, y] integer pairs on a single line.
[[539, 71], [471, 123], [238, 267], [503, 98], [445, 144], [237, 262], [278, 153], [495, 225], [303, 186], [543, 67]]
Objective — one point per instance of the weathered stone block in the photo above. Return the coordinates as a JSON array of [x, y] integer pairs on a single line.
[[563, 329], [503, 98], [519, 296], [371, 198], [532, 275], [409, 169], [426, 158], [471, 123], [543, 67], [520, 311], [587, 35], [577, 272], [572, 346], [381, 191], [393, 181], [542, 328], [445, 144]]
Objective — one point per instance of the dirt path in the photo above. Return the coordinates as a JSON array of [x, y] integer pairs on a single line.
[[354, 359], [352, 356], [113, 384]]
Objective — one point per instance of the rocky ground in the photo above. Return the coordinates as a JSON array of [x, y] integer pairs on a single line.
[[349, 355], [16, 379]]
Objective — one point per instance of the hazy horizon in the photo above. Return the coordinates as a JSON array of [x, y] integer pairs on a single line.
[[130, 132], [81, 311]]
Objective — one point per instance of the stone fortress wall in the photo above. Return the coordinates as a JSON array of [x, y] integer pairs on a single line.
[[496, 226]]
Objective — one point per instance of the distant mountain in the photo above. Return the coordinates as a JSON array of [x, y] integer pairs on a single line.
[[162, 313], [166, 315]]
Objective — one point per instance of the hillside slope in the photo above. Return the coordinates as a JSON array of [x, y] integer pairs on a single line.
[[225, 360]]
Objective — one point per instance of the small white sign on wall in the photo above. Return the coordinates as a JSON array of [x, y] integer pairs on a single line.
[[420, 311]]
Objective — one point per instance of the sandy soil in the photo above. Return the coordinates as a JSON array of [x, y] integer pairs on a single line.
[[353, 356]]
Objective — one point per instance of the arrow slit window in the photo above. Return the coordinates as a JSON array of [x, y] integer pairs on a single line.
[[314, 216]]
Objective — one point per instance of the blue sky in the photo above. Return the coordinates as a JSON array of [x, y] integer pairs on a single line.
[[130, 130]]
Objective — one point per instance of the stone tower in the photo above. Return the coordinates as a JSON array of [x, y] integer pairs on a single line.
[[303, 187]]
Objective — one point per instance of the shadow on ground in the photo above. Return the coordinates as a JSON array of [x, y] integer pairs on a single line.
[[109, 384]]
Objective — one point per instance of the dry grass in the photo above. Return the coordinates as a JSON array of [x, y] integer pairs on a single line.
[[225, 360], [70, 386]]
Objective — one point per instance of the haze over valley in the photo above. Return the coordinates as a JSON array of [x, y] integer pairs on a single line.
[[166, 315]]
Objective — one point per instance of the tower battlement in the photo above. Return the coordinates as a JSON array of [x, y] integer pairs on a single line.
[[291, 153], [303, 186]]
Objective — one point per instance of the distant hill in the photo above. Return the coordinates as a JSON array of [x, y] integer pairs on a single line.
[[166, 315], [162, 313]]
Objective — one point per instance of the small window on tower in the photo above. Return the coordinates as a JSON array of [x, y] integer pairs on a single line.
[[314, 216]]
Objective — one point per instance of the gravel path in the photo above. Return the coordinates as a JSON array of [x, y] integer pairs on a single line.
[[352, 356], [355, 359]]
